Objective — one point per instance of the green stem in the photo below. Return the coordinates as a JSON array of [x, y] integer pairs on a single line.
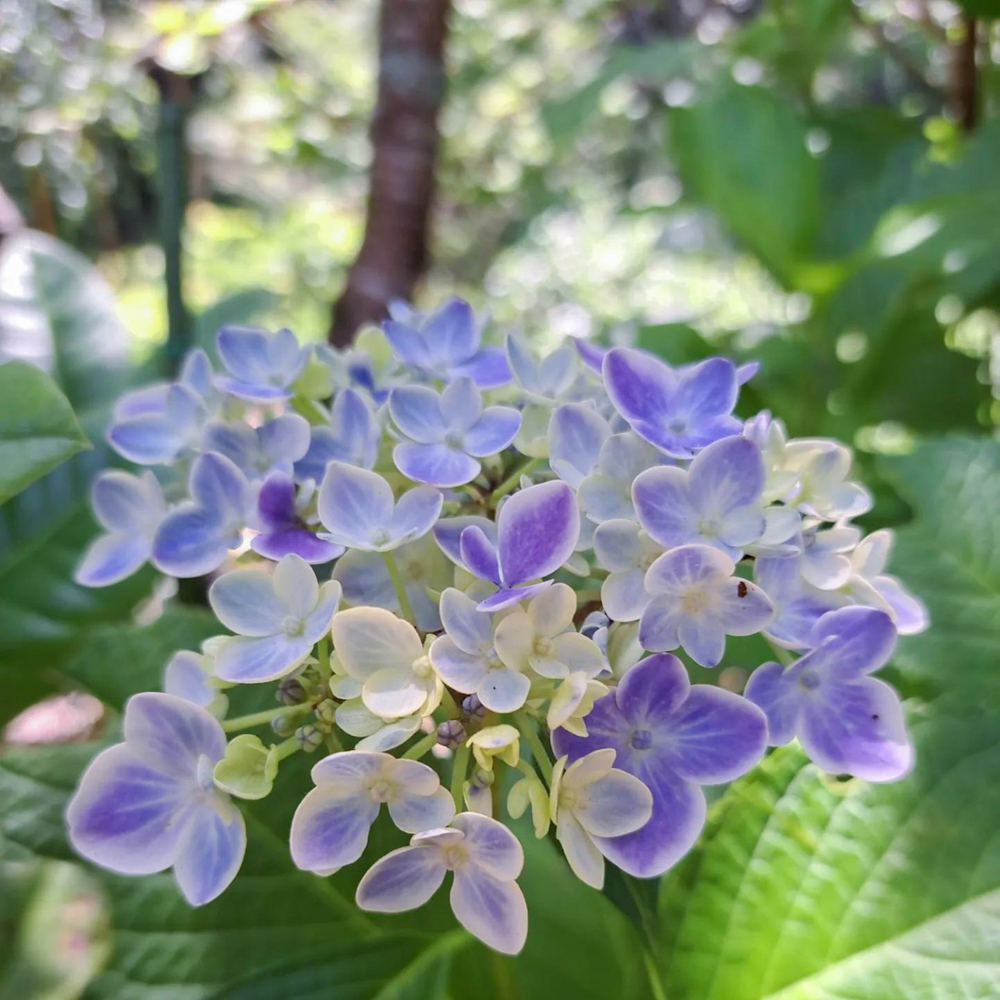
[[783, 656], [653, 975], [510, 483], [286, 748], [449, 705], [323, 656], [459, 766], [424, 746], [397, 582], [538, 751], [259, 718]]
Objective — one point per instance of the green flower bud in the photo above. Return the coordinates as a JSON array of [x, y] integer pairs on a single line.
[[309, 738], [248, 768]]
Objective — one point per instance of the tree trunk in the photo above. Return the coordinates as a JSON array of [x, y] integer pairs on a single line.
[[404, 137]]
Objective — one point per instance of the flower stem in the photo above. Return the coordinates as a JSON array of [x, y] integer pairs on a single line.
[[259, 718], [323, 656], [782, 655], [459, 766], [538, 751], [286, 748], [510, 483], [422, 747], [400, 587]]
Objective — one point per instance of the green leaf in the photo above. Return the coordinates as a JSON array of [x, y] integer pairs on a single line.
[[38, 428], [950, 557], [810, 889], [742, 151]]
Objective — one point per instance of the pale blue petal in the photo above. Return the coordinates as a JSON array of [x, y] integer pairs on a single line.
[[147, 439], [452, 332], [403, 880], [330, 830], [416, 411], [254, 661], [285, 439], [123, 502], [437, 464], [576, 434], [192, 541], [470, 629], [210, 853], [354, 504], [111, 558], [493, 431], [244, 351], [170, 734], [416, 512], [461, 405], [488, 368], [244, 600], [479, 554], [219, 486], [780, 697], [448, 533], [492, 910]]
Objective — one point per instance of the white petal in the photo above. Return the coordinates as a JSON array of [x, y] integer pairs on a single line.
[[295, 585], [459, 670], [371, 639], [551, 612], [414, 813], [391, 735], [587, 769], [494, 911], [254, 661], [330, 830], [503, 690], [578, 653], [581, 852], [210, 853], [614, 805], [245, 602], [514, 639], [492, 846], [394, 693], [350, 772]]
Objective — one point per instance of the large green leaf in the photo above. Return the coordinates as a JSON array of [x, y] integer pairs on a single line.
[[38, 428], [950, 557], [742, 151], [809, 890]]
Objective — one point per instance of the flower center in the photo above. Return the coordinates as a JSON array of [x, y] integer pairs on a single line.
[[204, 769], [454, 440], [694, 602], [809, 680], [708, 527], [677, 426], [543, 646], [642, 739], [422, 667], [454, 856], [380, 536], [292, 626], [569, 798], [382, 790]]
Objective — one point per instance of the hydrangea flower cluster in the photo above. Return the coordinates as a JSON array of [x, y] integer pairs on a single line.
[[454, 561]]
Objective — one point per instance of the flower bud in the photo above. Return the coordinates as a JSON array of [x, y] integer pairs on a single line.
[[326, 712], [309, 738], [451, 733], [283, 725], [482, 777], [291, 691], [471, 705]]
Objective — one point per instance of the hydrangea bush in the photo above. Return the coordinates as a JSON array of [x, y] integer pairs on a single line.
[[480, 585]]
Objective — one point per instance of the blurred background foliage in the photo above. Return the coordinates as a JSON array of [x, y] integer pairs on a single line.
[[810, 183]]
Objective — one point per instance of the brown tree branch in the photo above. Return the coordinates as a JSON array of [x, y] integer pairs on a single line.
[[964, 78], [404, 137]]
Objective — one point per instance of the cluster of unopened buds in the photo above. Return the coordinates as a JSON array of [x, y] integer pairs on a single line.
[[463, 555]]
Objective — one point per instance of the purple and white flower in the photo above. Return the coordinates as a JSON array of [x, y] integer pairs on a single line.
[[447, 345], [358, 511], [717, 501], [544, 381], [447, 433], [823, 490], [485, 858], [275, 446], [869, 584], [576, 435], [352, 436], [697, 601], [261, 366], [679, 410], [331, 825], [195, 537], [129, 509], [847, 721], [277, 617], [797, 605], [606, 492], [537, 531], [674, 738], [626, 550], [150, 803], [189, 675]]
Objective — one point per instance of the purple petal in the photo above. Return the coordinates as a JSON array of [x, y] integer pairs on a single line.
[[507, 597], [478, 554], [857, 728], [170, 734], [147, 439], [488, 368], [779, 697], [437, 464], [276, 502], [196, 372], [124, 814], [301, 541], [652, 690], [122, 501], [714, 736], [403, 880], [492, 910], [461, 405], [254, 392], [409, 344], [448, 534], [746, 371], [330, 830], [910, 613], [416, 512], [707, 389], [592, 354], [219, 486], [744, 608], [576, 434], [640, 386], [703, 638], [243, 350], [687, 567], [452, 332], [210, 853], [493, 431], [663, 505], [111, 558], [677, 820], [852, 641], [192, 541], [416, 411], [658, 624], [285, 439], [726, 475], [537, 531]]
